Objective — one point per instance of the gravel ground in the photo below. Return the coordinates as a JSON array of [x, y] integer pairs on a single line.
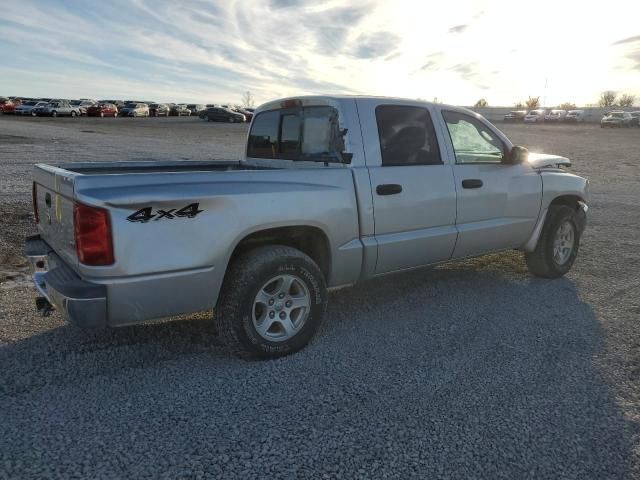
[[472, 369]]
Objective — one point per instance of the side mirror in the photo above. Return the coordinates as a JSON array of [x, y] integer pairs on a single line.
[[516, 155]]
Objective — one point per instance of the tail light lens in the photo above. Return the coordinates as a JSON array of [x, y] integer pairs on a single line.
[[34, 197], [93, 235]]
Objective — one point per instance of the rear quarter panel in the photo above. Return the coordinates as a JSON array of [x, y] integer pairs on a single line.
[[233, 205]]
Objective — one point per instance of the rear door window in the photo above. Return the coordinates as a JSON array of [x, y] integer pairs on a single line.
[[407, 136]]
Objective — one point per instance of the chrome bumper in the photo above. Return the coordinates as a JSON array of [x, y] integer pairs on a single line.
[[82, 303]]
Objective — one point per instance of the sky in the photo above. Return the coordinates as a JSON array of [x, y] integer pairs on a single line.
[[208, 51]]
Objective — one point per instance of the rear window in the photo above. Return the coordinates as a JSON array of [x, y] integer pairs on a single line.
[[309, 133]]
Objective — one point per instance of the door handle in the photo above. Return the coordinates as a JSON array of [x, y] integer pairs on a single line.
[[471, 183], [388, 189]]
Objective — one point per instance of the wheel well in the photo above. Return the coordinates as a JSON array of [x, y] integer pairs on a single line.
[[568, 200], [309, 240]]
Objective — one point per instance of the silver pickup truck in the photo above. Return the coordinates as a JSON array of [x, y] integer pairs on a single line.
[[333, 191]]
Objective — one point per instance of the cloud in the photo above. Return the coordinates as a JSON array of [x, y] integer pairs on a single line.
[[213, 50], [458, 28], [378, 44], [634, 39], [465, 70], [433, 61]]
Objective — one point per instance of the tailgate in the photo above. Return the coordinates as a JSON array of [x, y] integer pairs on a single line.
[[54, 199]]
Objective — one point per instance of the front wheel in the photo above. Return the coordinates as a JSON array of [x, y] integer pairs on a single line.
[[272, 302], [558, 244]]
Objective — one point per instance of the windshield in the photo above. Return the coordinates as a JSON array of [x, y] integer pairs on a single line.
[[616, 115], [129, 105]]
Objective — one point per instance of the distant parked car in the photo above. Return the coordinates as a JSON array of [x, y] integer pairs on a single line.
[[8, 106], [247, 114], [134, 110], [514, 116], [117, 103], [159, 110], [535, 116], [555, 115], [196, 108], [82, 105], [102, 110], [58, 108], [616, 119], [27, 108], [575, 116], [178, 110], [635, 119], [203, 113], [221, 114]]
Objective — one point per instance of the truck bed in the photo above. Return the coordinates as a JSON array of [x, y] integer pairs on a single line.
[[152, 166]]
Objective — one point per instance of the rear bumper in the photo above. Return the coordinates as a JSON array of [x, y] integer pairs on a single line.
[[82, 303]]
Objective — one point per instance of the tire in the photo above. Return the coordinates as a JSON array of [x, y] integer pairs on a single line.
[[231, 120], [249, 278], [34, 114], [542, 262], [101, 114], [73, 114], [54, 114]]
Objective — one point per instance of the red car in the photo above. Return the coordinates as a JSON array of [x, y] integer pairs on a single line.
[[9, 106], [102, 110]]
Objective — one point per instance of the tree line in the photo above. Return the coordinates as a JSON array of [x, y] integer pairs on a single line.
[[608, 98]]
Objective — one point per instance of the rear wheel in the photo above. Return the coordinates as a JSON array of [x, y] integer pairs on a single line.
[[272, 302], [54, 114], [558, 244]]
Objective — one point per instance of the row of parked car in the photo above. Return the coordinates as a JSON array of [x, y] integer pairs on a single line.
[[615, 118], [49, 107]]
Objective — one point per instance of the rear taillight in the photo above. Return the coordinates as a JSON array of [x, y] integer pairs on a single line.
[[92, 234], [34, 197]]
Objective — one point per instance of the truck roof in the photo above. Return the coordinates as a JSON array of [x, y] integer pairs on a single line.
[[328, 99]]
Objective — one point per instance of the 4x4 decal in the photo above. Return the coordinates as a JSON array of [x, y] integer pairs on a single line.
[[145, 214]]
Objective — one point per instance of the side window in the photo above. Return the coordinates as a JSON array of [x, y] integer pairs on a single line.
[[407, 136], [472, 140], [263, 139]]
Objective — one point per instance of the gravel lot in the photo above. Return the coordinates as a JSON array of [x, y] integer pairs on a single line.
[[473, 369]]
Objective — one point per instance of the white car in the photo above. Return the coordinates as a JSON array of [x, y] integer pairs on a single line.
[[555, 115], [576, 116], [535, 116]]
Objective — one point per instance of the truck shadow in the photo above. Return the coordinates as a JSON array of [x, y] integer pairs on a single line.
[[497, 366]]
